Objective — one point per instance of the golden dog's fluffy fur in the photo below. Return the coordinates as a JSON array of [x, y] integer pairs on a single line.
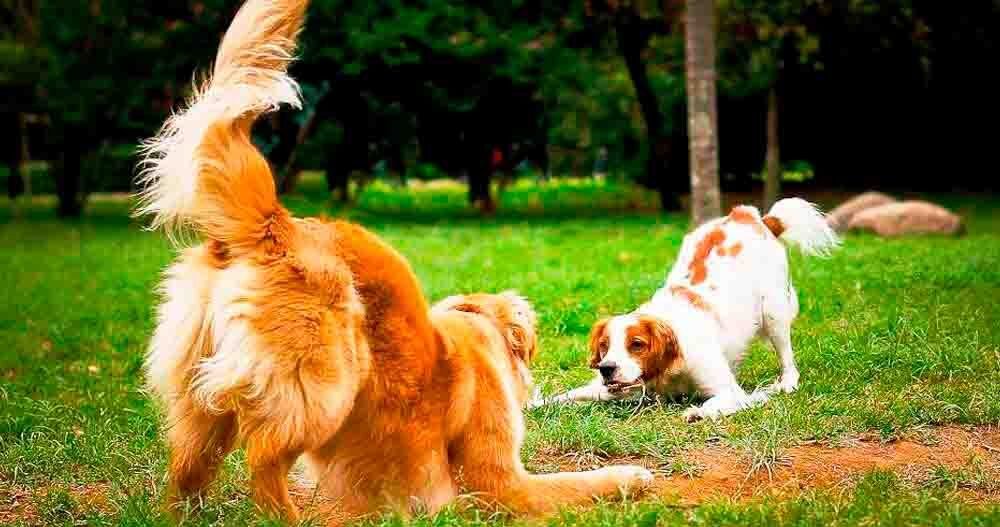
[[307, 338]]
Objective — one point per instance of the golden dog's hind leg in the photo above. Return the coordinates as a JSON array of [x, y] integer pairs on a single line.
[[545, 493], [489, 459], [302, 409], [275, 439], [269, 466], [198, 443], [299, 416]]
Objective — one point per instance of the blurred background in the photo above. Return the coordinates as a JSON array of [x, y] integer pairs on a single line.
[[814, 95]]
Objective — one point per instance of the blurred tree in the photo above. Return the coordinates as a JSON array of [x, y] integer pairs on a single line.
[[20, 69], [292, 130], [454, 77], [757, 38], [96, 84], [772, 157], [633, 25], [408, 83], [699, 31]]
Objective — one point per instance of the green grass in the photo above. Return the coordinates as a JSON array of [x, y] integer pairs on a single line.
[[892, 336]]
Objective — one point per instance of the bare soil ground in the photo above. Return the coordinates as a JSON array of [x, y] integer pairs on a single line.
[[719, 472], [20, 504]]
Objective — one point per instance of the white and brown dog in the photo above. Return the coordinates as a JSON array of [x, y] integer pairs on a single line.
[[730, 284]]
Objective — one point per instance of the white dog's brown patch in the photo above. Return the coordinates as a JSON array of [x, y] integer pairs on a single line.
[[698, 268]]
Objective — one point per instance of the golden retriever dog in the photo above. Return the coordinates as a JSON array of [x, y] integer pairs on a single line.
[[303, 338]]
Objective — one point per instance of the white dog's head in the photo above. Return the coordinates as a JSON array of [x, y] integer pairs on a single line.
[[629, 350]]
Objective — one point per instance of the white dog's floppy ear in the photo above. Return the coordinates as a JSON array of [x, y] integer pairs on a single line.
[[597, 348], [664, 351]]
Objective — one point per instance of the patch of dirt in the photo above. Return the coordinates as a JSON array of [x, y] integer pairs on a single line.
[[715, 471], [722, 472], [16, 504], [20, 503]]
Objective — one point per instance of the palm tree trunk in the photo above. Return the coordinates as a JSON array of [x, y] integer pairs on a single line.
[[772, 176], [699, 22]]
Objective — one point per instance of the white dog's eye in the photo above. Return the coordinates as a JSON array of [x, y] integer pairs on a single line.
[[636, 344]]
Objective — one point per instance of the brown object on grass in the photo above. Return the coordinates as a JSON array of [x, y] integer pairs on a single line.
[[840, 217], [907, 217]]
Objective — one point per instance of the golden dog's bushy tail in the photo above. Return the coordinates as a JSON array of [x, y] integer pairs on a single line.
[[201, 171]]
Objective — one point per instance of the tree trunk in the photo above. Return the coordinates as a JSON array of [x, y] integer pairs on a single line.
[[480, 173], [290, 180], [631, 43], [284, 127], [660, 153], [699, 23], [25, 154], [772, 176], [16, 159], [289, 168], [510, 160], [396, 163], [479, 164], [338, 178], [543, 163], [15, 181], [68, 178], [339, 164]]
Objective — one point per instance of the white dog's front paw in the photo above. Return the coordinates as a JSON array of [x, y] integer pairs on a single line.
[[788, 383], [693, 414], [710, 410], [536, 402], [537, 399]]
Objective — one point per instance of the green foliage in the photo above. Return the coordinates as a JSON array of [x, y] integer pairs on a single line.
[[755, 36], [106, 73], [110, 168], [97, 78], [446, 51], [20, 63], [792, 171]]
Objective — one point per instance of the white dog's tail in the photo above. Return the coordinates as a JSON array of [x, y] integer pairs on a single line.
[[799, 223], [201, 171]]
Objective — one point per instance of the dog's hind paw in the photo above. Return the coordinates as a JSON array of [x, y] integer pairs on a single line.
[[631, 478]]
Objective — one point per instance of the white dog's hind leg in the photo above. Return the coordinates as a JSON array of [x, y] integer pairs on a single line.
[[780, 334], [725, 404], [778, 326]]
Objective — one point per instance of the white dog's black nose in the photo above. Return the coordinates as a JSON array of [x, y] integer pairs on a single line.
[[607, 370]]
